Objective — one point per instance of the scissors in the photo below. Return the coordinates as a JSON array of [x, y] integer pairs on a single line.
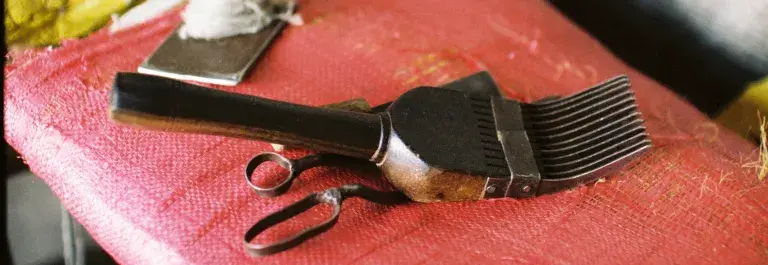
[[479, 84], [333, 197]]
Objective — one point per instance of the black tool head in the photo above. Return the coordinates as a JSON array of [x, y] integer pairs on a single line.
[[505, 148], [449, 130]]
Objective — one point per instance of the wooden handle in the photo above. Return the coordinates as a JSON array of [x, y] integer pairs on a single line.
[[170, 105]]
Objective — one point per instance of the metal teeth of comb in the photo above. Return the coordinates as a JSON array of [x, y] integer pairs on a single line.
[[488, 140], [585, 132]]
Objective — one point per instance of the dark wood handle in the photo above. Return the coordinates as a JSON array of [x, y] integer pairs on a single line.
[[170, 105]]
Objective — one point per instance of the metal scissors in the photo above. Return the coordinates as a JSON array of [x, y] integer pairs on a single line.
[[333, 197], [477, 84]]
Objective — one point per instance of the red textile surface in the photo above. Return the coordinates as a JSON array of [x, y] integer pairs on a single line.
[[163, 198]]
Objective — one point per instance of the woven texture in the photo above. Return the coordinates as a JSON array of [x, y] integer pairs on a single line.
[[164, 198]]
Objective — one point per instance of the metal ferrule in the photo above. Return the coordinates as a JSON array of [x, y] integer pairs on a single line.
[[524, 176]]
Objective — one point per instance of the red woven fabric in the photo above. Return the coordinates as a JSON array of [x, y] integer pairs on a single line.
[[164, 198]]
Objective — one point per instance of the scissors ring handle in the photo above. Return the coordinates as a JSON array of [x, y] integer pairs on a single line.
[[281, 187], [332, 197]]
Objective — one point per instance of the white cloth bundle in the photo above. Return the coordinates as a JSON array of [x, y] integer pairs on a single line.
[[214, 19]]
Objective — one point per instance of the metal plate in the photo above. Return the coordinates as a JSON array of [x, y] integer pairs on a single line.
[[223, 62]]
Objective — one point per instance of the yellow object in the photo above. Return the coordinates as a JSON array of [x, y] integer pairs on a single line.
[[742, 115], [47, 22]]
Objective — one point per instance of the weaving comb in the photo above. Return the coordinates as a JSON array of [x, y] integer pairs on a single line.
[[433, 144]]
